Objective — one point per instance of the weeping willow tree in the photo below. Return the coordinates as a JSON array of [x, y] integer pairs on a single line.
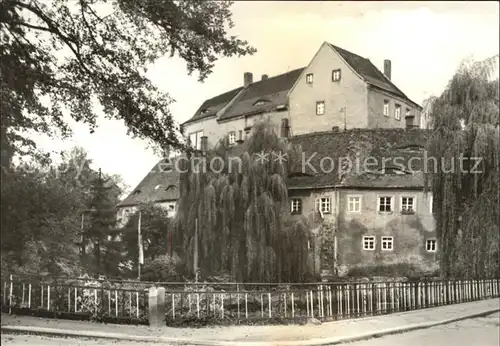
[[465, 180], [236, 197]]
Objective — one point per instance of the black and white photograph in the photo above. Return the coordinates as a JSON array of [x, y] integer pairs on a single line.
[[250, 173]]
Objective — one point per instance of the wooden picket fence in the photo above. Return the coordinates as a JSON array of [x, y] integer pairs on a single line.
[[324, 301]]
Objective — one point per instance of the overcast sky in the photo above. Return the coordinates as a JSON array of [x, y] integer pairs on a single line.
[[425, 42]]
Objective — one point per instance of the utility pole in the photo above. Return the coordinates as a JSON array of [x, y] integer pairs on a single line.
[[139, 243], [195, 257], [99, 231], [82, 235]]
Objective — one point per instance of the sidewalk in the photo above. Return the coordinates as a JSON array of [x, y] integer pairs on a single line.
[[327, 333]]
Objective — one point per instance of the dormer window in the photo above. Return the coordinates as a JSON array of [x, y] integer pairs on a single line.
[[393, 170], [260, 102], [309, 78], [203, 111], [336, 75], [412, 148]]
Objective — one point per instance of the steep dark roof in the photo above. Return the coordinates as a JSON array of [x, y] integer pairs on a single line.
[[211, 106], [370, 73], [375, 144], [160, 184], [272, 91]]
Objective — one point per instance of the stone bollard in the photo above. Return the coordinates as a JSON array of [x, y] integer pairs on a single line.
[[156, 308]]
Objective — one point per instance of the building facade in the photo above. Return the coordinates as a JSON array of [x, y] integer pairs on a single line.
[[363, 193], [159, 187], [339, 107], [338, 89]]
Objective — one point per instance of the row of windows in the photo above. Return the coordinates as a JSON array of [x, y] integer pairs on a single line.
[[397, 110], [336, 75], [385, 204], [320, 109], [387, 243], [195, 139]]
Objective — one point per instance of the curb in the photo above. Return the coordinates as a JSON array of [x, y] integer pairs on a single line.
[[184, 341]]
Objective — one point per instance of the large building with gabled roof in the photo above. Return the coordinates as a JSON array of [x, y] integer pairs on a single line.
[[338, 89], [339, 105]]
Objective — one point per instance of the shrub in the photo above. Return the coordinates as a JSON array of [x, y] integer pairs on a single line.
[[89, 300], [162, 268]]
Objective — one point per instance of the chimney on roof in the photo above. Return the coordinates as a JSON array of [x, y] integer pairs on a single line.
[[264, 77], [247, 78], [204, 144], [387, 68], [285, 129]]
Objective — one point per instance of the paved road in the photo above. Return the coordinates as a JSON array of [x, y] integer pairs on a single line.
[[483, 331], [34, 340]]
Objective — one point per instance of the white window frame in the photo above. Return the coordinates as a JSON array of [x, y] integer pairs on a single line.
[[358, 203], [321, 202], [386, 240], [297, 207], [392, 203], [309, 78], [318, 103], [428, 241], [232, 137], [386, 108], [397, 112], [197, 139], [368, 238], [336, 75], [414, 205]]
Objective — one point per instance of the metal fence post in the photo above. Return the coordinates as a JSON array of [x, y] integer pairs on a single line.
[[29, 295]]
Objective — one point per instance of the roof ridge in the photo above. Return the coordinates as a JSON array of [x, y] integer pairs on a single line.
[[378, 71], [276, 76], [337, 47], [381, 129], [227, 92]]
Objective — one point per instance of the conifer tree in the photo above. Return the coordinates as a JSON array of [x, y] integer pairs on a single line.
[[102, 218]]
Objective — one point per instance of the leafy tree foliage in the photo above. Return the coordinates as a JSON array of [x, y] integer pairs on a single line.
[[41, 207], [239, 204], [466, 197], [62, 55], [162, 268], [155, 228]]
